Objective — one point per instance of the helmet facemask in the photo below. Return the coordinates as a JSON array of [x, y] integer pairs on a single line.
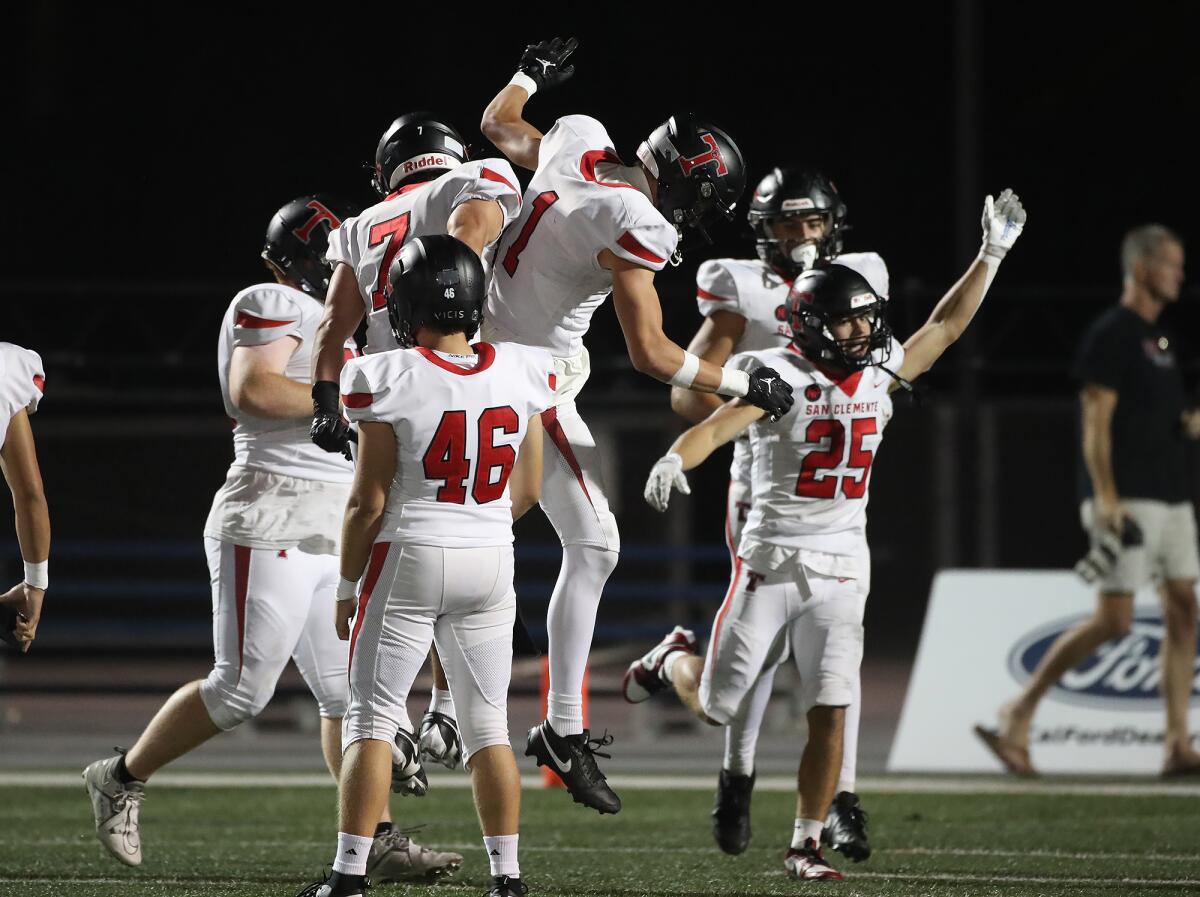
[[812, 329]]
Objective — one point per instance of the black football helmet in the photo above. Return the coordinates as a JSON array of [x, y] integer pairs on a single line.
[[436, 282], [790, 192], [416, 146], [298, 236], [821, 296], [699, 169]]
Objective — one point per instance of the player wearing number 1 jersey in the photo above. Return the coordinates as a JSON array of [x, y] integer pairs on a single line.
[[449, 454], [802, 571], [590, 225]]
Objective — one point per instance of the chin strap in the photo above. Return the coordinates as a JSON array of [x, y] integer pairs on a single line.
[[907, 385]]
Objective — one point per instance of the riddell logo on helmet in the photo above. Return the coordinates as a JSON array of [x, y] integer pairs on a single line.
[[792, 205], [426, 160], [687, 163]]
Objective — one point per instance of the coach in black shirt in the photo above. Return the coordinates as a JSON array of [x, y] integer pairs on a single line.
[[1133, 421]]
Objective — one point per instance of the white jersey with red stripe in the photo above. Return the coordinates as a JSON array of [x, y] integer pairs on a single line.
[[456, 445], [369, 241], [259, 315], [22, 382], [752, 289], [811, 468], [547, 281]]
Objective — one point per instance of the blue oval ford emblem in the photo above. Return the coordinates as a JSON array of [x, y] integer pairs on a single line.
[[1125, 670]]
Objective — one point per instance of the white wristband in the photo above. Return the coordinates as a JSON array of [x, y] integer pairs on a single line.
[[992, 262], [38, 575], [734, 383], [684, 377], [347, 589], [523, 81]]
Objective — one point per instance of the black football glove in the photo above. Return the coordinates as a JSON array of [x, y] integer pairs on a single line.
[[544, 62], [770, 392], [329, 429]]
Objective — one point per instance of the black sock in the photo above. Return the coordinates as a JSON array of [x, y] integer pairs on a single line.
[[121, 771], [384, 828], [345, 884]]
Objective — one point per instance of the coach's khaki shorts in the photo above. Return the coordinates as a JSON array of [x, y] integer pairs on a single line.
[[1168, 549]]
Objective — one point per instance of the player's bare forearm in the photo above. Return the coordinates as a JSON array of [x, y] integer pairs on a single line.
[[343, 313], [947, 322], [505, 126], [723, 425], [270, 395], [477, 222], [525, 484], [714, 342], [18, 459], [1098, 404], [694, 406], [373, 473]]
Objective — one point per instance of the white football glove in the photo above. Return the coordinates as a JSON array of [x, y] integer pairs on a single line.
[[1003, 221], [665, 475]]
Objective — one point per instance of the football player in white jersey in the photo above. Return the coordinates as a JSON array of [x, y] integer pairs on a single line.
[[271, 539], [797, 217], [802, 572], [428, 186], [427, 543], [591, 225], [22, 382]]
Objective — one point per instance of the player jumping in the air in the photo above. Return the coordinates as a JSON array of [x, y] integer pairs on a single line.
[[797, 217], [272, 540], [428, 186], [802, 572], [591, 225], [21, 384], [449, 454]]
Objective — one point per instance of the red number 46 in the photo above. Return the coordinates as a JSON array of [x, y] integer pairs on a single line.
[[810, 485], [446, 457]]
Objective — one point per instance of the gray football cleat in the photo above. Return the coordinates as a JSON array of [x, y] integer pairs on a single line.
[[397, 857], [115, 807]]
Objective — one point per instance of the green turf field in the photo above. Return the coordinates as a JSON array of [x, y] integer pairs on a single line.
[[201, 842]]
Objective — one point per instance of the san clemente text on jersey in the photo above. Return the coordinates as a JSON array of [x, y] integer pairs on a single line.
[[841, 408]]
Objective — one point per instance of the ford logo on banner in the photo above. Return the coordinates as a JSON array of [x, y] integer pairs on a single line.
[[1124, 672]]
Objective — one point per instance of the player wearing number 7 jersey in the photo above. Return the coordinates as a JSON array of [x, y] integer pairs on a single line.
[[591, 224], [802, 571], [427, 542]]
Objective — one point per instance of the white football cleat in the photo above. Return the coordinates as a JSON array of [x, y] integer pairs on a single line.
[[645, 675], [397, 857], [115, 808]]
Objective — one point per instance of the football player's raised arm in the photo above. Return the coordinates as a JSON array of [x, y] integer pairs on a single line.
[[525, 484], [18, 460], [258, 385], [343, 313], [504, 124], [477, 222], [713, 342]]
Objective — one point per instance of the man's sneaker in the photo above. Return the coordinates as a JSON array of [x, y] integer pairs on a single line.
[[408, 776], [645, 675], [503, 886], [115, 808], [323, 889], [573, 758], [397, 857], [807, 864], [439, 740], [846, 827], [731, 814]]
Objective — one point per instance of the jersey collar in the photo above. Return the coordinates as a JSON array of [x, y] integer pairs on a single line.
[[485, 351], [407, 188], [847, 383]]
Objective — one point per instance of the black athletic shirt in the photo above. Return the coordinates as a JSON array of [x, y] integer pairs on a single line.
[[1123, 352]]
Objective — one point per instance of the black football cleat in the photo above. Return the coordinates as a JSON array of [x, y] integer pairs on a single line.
[[573, 758], [731, 813], [335, 885], [504, 886], [846, 827]]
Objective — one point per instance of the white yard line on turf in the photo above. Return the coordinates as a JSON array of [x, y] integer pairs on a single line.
[[787, 784]]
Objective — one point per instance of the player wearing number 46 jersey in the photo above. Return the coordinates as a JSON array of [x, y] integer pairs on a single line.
[[449, 454], [802, 571], [591, 224]]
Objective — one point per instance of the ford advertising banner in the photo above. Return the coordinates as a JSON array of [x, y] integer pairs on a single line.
[[985, 631]]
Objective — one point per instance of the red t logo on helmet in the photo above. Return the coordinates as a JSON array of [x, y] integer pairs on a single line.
[[322, 214], [713, 155]]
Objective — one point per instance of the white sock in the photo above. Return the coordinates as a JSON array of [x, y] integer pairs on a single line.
[[352, 853], [804, 829], [669, 665], [565, 713], [441, 702], [502, 854]]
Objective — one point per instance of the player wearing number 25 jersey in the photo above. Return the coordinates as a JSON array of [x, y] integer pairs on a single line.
[[802, 571], [444, 428]]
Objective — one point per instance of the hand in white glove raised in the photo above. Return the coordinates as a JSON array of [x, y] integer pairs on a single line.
[[1003, 221], [665, 475]]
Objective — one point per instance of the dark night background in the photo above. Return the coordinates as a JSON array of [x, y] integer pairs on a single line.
[[146, 151]]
